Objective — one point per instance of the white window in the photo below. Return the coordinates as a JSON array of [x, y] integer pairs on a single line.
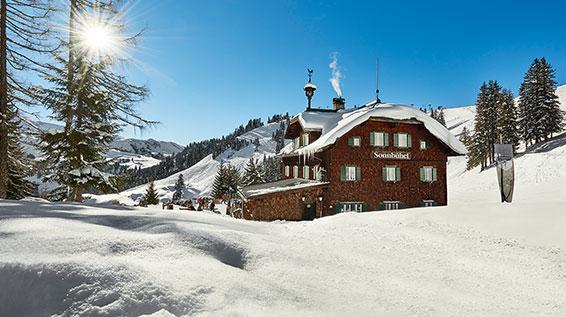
[[379, 139], [296, 143], [428, 174], [429, 203], [355, 141], [306, 172], [287, 171], [350, 207], [306, 139], [390, 205], [295, 171], [402, 140], [425, 145], [317, 173], [391, 173], [350, 173]]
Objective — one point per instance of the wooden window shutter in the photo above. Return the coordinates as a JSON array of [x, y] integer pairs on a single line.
[[351, 141], [342, 173], [409, 140], [384, 173], [385, 139], [396, 139], [397, 174], [421, 173], [372, 138], [434, 174], [358, 173]]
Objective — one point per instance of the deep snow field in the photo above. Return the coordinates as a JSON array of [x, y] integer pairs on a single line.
[[474, 257]]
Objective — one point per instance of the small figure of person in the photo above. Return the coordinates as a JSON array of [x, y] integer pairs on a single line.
[[212, 206]]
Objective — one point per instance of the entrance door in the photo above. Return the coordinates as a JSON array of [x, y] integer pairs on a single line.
[[309, 211]]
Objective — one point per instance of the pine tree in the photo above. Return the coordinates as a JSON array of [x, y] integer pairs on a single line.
[[19, 166], [23, 34], [226, 182], [553, 118], [507, 129], [179, 188], [539, 110], [440, 116], [480, 149], [253, 173], [150, 197], [465, 136], [90, 99]]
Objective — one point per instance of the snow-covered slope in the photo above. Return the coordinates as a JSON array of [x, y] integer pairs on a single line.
[[476, 257], [200, 177], [146, 147]]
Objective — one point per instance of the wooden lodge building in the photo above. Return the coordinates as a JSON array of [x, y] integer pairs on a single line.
[[375, 157]]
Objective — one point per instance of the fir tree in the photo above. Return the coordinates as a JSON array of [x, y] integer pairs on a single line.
[[91, 100], [539, 111], [19, 166], [23, 38], [179, 188], [150, 197], [553, 116], [465, 136], [226, 182], [507, 130], [253, 173], [480, 148]]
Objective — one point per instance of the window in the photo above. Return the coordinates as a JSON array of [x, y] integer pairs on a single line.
[[306, 172], [391, 205], [391, 173], [425, 145], [296, 143], [351, 207], [295, 171], [402, 140], [287, 171], [379, 139], [350, 173], [429, 203], [355, 141], [306, 139], [428, 174], [317, 173]]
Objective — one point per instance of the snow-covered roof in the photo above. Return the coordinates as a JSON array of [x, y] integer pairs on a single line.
[[279, 186], [333, 125], [311, 85]]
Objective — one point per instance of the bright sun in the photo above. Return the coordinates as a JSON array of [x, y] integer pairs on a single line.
[[98, 40]]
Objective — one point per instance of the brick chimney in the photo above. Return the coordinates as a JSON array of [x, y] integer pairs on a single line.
[[339, 103]]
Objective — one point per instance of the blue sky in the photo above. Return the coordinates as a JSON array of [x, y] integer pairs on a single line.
[[212, 65]]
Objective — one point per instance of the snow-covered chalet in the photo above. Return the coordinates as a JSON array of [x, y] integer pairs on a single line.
[[378, 156]]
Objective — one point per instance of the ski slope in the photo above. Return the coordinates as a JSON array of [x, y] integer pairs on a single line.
[[200, 177]]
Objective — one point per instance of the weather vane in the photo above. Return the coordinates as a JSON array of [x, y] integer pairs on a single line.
[[310, 71]]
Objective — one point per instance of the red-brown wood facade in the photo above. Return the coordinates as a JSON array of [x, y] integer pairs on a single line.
[[370, 190]]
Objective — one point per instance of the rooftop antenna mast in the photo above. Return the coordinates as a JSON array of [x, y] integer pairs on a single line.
[[377, 100]]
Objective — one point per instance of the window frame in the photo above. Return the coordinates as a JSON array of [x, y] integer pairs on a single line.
[[306, 139], [352, 141], [306, 172], [427, 144], [344, 173], [408, 139], [287, 171], [373, 138], [295, 171], [433, 174], [385, 173]]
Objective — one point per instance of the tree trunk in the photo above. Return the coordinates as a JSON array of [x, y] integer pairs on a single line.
[[3, 103], [70, 67]]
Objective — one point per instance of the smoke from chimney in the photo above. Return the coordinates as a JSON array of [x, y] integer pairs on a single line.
[[336, 74]]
